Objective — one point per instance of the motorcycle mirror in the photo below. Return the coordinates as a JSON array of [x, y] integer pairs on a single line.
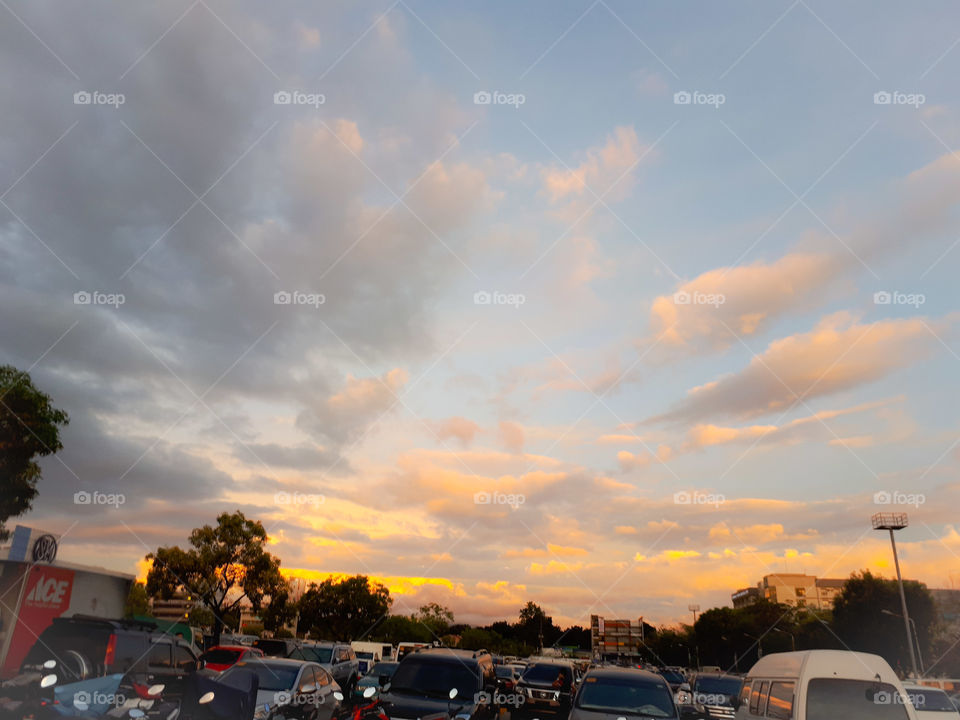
[[50, 664], [370, 692], [338, 695], [155, 690], [207, 697], [48, 680], [453, 693]]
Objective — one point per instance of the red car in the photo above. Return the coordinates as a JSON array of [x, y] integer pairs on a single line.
[[221, 657]]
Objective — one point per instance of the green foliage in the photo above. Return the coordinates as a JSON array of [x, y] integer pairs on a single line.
[[400, 628], [138, 602], [202, 617], [279, 611], [29, 428], [348, 609], [436, 617], [225, 565]]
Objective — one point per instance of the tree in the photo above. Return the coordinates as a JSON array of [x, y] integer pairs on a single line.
[[347, 609], [29, 428], [400, 628], [138, 602], [227, 564], [203, 617], [436, 617], [535, 628], [280, 611], [864, 616]]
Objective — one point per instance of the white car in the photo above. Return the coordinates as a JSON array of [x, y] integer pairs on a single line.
[[930, 702]]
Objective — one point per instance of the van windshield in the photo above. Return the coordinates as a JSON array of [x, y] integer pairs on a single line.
[[829, 699], [930, 700]]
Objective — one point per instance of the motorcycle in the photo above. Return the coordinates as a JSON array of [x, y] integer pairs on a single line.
[[372, 710], [25, 695]]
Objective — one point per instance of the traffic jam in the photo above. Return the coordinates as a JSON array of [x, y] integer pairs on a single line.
[[87, 667]]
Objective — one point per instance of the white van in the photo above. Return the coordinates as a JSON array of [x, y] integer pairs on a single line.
[[823, 685], [370, 653]]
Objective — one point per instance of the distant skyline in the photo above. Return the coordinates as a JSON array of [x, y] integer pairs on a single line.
[[613, 307]]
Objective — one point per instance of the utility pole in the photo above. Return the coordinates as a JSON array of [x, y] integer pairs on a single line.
[[893, 522], [696, 646]]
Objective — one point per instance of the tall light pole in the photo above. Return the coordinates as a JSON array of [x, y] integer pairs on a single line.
[[916, 637], [893, 522], [694, 609], [696, 646]]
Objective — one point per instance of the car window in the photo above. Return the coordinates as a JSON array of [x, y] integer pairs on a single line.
[[323, 677], [307, 680], [758, 688], [435, 677], [182, 658], [930, 700], [780, 704], [159, 655], [634, 698], [298, 654], [745, 694], [832, 698], [221, 656]]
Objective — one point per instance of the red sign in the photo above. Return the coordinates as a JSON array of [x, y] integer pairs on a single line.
[[46, 596]]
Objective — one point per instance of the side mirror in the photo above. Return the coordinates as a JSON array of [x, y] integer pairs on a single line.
[[48, 681], [453, 693], [370, 692], [205, 698], [155, 690], [338, 695], [49, 664], [307, 689]]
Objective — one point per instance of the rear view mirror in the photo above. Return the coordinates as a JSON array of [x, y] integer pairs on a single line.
[[155, 690], [49, 664], [370, 692], [453, 693], [206, 698], [48, 680], [338, 695]]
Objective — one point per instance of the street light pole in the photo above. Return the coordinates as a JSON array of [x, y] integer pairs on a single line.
[[892, 522], [696, 646], [916, 638]]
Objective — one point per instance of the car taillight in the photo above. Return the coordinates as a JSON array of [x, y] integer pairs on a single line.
[[111, 654]]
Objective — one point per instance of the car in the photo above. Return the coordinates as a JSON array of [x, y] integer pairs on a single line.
[[931, 702], [622, 693], [221, 657], [432, 681], [276, 647], [547, 687], [88, 647], [675, 678], [289, 689], [507, 677], [823, 685], [710, 696], [338, 658], [378, 676]]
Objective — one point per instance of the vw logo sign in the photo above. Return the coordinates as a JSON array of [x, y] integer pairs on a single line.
[[45, 549]]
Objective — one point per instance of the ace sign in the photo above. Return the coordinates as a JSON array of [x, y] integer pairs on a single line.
[[46, 595]]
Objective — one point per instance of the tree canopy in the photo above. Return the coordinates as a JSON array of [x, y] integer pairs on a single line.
[[348, 609]]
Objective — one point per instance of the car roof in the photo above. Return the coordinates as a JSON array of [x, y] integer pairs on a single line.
[[451, 653], [552, 661], [281, 662], [229, 647], [823, 663], [622, 673]]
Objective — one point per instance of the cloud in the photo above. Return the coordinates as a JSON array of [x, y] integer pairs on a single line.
[[512, 436], [462, 429], [360, 401], [837, 355]]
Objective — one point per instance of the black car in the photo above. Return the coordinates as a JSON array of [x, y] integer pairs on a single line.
[[424, 680], [547, 688], [88, 647], [711, 696], [623, 692], [276, 647], [674, 677]]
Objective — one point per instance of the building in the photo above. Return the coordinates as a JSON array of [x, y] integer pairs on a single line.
[[795, 589], [612, 639], [37, 587], [175, 609]]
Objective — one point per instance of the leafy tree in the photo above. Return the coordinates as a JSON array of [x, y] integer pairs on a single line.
[[202, 617], [860, 621], [347, 609], [29, 428], [401, 628], [436, 617], [226, 565], [535, 627], [138, 602], [280, 611]]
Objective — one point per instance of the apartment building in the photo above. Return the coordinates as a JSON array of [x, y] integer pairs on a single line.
[[796, 589]]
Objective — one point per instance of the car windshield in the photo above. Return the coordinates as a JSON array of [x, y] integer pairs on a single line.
[[382, 668], [271, 677], [672, 676], [434, 678], [365, 655], [930, 700], [832, 698], [642, 698], [272, 647], [220, 656], [504, 671], [546, 673], [318, 654], [718, 686]]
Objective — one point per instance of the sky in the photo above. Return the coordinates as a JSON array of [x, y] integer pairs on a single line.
[[612, 306]]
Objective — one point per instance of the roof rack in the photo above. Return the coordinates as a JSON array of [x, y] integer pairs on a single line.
[[125, 622]]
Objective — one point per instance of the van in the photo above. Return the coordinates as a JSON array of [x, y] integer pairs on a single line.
[[823, 685], [370, 653]]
